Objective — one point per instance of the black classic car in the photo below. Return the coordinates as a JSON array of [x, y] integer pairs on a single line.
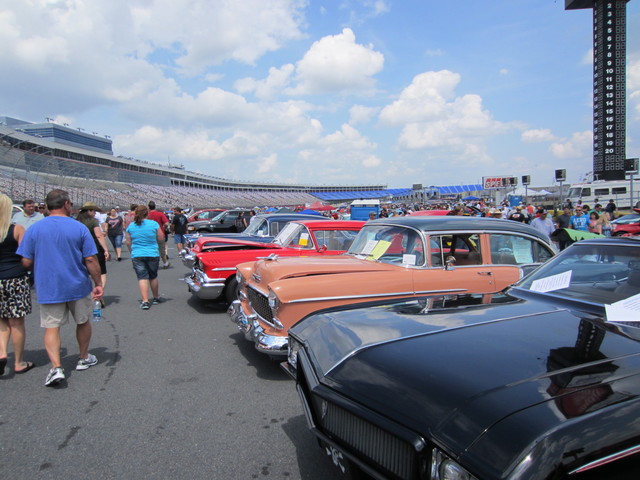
[[541, 381], [223, 222]]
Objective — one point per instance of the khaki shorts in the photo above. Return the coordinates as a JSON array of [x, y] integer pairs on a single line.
[[53, 315]]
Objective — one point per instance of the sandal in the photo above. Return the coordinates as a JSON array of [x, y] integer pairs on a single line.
[[29, 366], [3, 363]]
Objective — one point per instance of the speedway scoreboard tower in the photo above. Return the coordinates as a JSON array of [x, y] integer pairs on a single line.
[[609, 84]]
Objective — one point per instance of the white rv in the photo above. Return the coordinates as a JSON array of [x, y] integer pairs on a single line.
[[601, 191]]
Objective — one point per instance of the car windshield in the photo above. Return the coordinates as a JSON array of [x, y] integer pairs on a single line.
[[389, 244], [258, 227], [601, 274], [218, 216], [627, 219], [294, 235]]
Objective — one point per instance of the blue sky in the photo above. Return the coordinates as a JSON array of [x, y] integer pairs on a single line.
[[395, 92]]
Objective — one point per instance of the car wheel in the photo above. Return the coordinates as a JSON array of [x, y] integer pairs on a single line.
[[231, 290]]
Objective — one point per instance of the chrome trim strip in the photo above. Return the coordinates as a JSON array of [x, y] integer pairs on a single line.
[[377, 295], [226, 269], [607, 459], [259, 290]]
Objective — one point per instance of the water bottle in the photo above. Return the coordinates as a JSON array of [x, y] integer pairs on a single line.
[[97, 311]]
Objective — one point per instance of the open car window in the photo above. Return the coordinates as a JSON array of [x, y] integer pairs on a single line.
[[465, 248]]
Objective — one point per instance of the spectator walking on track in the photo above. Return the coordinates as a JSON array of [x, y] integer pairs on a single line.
[[142, 238], [115, 232], [162, 220], [28, 216], [15, 293], [179, 228], [63, 255], [87, 216]]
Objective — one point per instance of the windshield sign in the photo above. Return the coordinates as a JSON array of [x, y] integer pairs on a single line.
[[601, 274]]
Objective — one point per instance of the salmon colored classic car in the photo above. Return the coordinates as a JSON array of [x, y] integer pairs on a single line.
[[213, 274], [400, 257]]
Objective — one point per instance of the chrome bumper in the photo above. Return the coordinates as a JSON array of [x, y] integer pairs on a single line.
[[203, 287], [189, 259], [271, 345]]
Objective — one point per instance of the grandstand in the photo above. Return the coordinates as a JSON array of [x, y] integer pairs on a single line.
[[35, 158]]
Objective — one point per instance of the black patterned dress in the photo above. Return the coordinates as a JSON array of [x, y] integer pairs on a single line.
[[15, 293]]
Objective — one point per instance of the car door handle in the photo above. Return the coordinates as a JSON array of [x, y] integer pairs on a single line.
[[485, 273]]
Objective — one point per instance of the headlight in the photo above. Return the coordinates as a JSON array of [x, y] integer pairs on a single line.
[[444, 468], [274, 302], [294, 347], [239, 278]]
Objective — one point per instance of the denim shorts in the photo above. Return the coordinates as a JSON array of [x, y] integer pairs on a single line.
[[146, 267], [116, 240], [179, 238]]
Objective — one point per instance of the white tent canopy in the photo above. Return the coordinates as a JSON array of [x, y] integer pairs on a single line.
[[520, 192]]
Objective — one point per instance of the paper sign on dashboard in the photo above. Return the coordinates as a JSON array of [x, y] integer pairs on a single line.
[[554, 282]]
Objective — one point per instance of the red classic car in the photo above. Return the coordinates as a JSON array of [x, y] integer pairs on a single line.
[[213, 274]]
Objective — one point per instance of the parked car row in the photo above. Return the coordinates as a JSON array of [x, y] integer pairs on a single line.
[[446, 347], [399, 257], [263, 228], [541, 381], [213, 274]]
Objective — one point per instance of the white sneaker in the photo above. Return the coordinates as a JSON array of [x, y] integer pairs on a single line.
[[85, 363], [55, 376]]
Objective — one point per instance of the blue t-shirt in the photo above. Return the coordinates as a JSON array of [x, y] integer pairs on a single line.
[[58, 246], [144, 242], [579, 222]]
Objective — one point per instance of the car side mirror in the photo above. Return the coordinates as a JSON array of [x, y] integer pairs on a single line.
[[322, 249], [450, 263]]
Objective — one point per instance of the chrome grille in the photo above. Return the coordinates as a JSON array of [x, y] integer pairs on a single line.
[[260, 304], [388, 451]]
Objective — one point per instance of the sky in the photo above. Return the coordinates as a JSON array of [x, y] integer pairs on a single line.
[[333, 92]]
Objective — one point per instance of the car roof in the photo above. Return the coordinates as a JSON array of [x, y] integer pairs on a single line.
[[346, 224], [458, 223], [295, 216]]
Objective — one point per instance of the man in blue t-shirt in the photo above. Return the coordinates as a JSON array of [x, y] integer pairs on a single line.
[[62, 254], [579, 221]]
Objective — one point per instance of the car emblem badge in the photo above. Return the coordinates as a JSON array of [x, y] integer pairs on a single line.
[[256, 277]]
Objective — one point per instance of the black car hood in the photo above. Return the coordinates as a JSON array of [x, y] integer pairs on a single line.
[[457, 376]]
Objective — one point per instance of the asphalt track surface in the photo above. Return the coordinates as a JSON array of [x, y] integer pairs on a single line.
[[177, 393]]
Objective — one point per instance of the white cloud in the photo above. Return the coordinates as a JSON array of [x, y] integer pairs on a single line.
[[504, 71], [268, 88], [199, 32], [337, 64], [424, 99], [267, 164], [432, 116], [538, 135], [359, 114], [578, 146]]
